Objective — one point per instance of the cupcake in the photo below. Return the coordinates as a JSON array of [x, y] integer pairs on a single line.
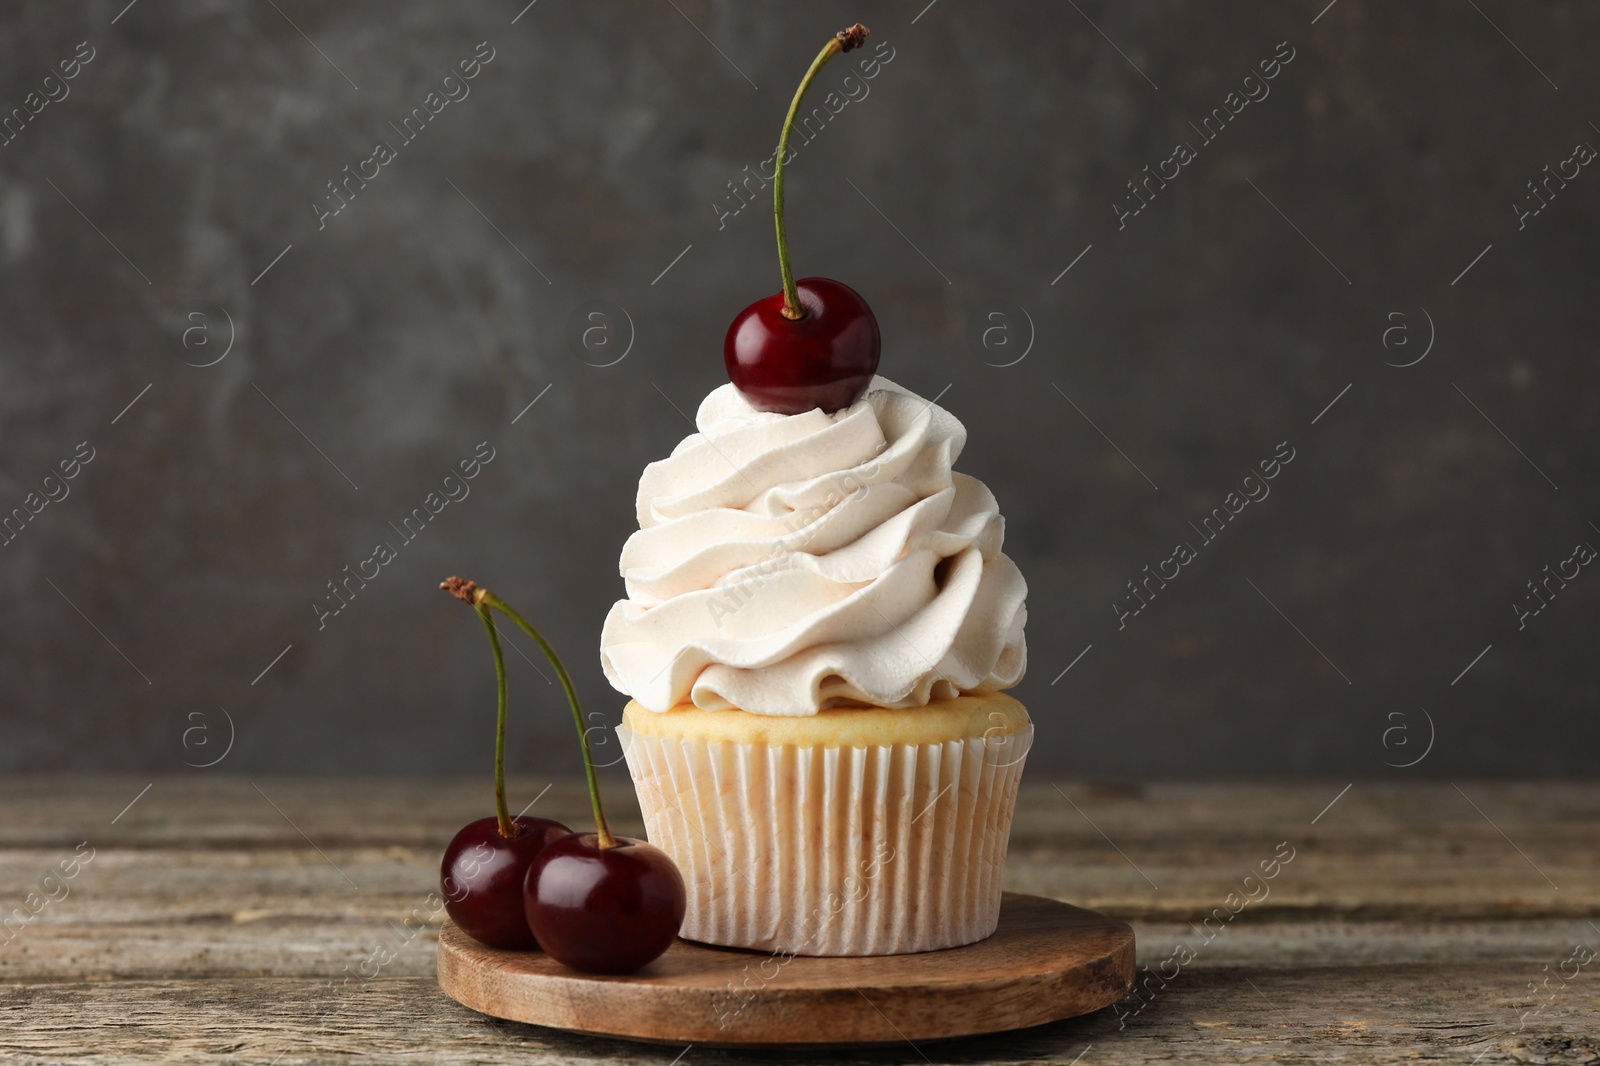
[[818, 631]]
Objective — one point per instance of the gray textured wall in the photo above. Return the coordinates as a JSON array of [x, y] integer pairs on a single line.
[[1254, 289]]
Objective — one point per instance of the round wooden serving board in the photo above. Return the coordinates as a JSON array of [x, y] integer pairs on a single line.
[[1046, 961]]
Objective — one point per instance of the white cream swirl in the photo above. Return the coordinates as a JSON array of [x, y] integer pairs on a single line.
[[789, 563]]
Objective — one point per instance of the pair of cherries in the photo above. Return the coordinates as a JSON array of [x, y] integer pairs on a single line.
[[593, 901], [594, 908]]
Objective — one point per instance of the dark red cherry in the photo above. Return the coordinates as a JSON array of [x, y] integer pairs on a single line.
[[482, 875], [826, 358], [604, 910]]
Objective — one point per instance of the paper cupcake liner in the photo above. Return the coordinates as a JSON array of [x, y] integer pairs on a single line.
[[833, 851]]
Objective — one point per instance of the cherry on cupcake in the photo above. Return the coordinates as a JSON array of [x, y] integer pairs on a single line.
[[594, 901], [486, 863], [814, 344]]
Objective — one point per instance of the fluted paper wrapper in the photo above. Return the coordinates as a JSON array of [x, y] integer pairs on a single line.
[[833, 851]]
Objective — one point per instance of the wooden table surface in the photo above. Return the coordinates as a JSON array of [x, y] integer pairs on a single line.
[[228, 920]]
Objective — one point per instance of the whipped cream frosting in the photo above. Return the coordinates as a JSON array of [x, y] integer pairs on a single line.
[[785, 564]]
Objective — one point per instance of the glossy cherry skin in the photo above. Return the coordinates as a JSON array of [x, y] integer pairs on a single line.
[[604, 910], [824, 359], [482, 875]]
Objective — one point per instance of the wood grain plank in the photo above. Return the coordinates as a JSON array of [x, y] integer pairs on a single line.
[[297, 878], [332, 948], [211, 808], [1386, 1014], [129, 883], [1383, 851]]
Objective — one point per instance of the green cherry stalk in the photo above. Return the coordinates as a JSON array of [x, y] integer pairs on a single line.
[[843, 41], [484, 601]]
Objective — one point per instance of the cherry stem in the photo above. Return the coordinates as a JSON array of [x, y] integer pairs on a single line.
[[508, 828], [486, 599], [843, 41]]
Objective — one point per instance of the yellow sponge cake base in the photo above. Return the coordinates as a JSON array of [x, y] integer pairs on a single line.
[[845, 727]]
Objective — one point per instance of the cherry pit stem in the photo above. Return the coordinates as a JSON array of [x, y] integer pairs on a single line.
[[843, 41], [483, 600], [508, 828]]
